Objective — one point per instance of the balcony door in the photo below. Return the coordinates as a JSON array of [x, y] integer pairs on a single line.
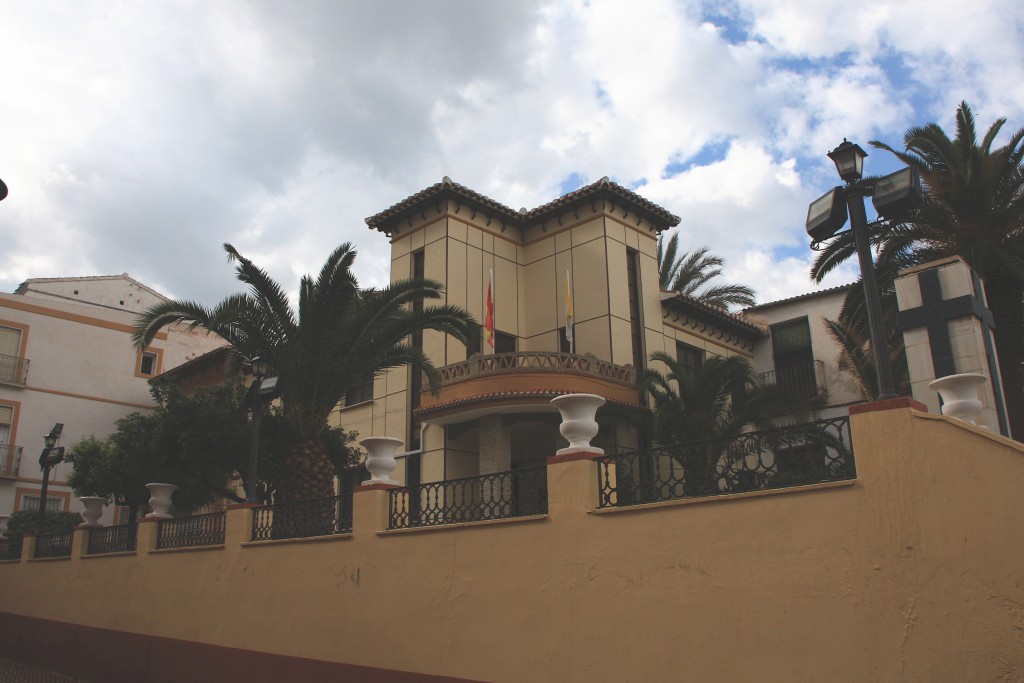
[[10, 347], [794, 359]]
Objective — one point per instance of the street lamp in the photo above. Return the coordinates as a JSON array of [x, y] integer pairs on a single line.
[[3, 190], [892, 196], [260, 368], [49, 458]]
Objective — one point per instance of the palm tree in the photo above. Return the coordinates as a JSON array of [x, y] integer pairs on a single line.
[[689, 271], [722, 398], [338, 336], [974, 208]]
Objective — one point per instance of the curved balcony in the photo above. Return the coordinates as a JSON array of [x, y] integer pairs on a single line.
[[527, 380]]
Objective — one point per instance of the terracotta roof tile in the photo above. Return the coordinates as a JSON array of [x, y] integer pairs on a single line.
[[447, 188]]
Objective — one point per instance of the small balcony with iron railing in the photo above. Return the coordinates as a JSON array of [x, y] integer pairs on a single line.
[[805, 380], [10, 460], [541, 374], [13, 370]]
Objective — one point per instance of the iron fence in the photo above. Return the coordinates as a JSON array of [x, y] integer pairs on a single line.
[[189, 532], [769, 459], [54, 545], [10, 548], [120, 538], [302, 519], [10, 460], [472, 499]]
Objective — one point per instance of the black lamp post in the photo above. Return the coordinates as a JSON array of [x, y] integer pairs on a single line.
[[49, 458], [259, 368], [892, 196]]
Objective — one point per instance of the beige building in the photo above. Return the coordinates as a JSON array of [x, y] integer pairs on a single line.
[[595, 247], [798, 353], [66, 356]]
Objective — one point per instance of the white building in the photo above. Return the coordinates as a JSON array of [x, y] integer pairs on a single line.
[[66, 356]]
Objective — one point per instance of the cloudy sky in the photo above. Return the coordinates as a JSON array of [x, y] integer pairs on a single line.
[[139, 136]]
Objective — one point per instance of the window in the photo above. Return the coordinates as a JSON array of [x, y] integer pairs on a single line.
[[148, 364], [361, 393], [504, 343], [10, 350], [794, 361], [32, 503], [690, 357], [6, 423]]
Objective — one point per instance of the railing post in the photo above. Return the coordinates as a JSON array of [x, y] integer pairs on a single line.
[[80, 540], [573, 481], [370, 508], [238, 522], [28, 547], [148, 530]]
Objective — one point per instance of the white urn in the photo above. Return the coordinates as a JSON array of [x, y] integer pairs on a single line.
[[380, 459], [93, 509], [960, 395], [579, 420], [160, 500]]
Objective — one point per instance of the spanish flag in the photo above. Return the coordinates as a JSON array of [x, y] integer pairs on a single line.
[[489, 318], [568, 314]]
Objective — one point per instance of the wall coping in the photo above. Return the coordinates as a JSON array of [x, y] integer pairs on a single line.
[[980, 431], [888, 404], [463, 525], [292, 541]]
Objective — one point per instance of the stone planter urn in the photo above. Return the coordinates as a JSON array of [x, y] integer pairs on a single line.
[[93, 509], [3, 525], [960, 395], [579, 425], [380, 460], [160, 500]]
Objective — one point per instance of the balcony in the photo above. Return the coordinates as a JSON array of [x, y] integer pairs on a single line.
[[528, 377], [13, 370], [805, 380], [10, 460]]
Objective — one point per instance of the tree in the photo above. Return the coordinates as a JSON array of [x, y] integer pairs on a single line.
[[339, 335], [974, 208], [722, 398], [196, 442], [689, 271]]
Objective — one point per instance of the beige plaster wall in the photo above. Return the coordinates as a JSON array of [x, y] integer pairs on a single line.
[[908, 574]]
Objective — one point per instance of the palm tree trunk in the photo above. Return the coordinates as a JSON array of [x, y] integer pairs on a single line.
[[307, 473], [1006, 301]]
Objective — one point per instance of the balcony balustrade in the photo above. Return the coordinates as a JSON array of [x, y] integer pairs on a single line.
[[805, 380], [532, 372], [13, 370], [10, 460], [121, 538]]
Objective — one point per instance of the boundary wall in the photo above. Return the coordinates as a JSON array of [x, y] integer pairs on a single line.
[[910, 572]]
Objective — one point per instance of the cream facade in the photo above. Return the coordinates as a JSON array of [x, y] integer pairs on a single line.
[[68, 358], [799, 353], [492, 413]]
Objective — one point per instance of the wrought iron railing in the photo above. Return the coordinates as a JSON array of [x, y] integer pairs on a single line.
[[188, 532], [54, 545], [536, 361], [10, 460], [10, 548], [13, 370], [472, 499], [805, 380], [120, 538], [302, 519], [774, 458]]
